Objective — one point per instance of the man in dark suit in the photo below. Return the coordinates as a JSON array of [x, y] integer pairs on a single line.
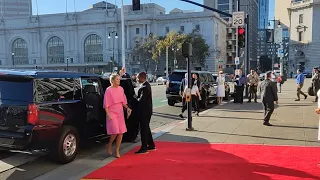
[[268, 92], [183, 86], [144, 111]]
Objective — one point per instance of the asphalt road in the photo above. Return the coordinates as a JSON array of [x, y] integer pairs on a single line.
[[163, 114]]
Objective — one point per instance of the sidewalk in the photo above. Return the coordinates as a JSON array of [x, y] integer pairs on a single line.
[[295, 123]]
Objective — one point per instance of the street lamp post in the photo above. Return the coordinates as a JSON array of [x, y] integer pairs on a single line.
[[273, 43], [67, 64], [12, 54], [175, 49], [113, 42]]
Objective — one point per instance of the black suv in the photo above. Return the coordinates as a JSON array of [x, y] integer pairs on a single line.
[[53, 110], [208, 87]]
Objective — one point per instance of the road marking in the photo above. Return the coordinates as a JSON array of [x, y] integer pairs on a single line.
[[164, 101], [15, 161]]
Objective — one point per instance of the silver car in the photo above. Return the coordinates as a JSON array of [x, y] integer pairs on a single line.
[[162, 80]]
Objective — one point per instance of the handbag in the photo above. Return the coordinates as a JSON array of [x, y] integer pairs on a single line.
[[310, 90]]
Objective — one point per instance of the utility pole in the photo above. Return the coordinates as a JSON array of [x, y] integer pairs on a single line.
[[122, 37], [167, 61], [237, 38]]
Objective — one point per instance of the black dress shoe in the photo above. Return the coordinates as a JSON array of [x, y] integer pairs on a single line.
[[142, 151], [152, 148], [267, 124], [181, 116]]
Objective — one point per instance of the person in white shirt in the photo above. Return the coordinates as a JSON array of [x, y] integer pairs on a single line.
[[195, 97]]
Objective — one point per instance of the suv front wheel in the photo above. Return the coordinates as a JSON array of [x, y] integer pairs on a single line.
[[67, 147], [205, 101], [171, 102]]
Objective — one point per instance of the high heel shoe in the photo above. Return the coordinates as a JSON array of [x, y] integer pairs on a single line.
[[118, 153]]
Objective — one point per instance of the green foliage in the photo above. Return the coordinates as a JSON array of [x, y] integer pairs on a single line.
[[145, 50], [153, 48]]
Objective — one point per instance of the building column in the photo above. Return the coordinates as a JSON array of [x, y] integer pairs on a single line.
[[148, 29], [143, 30]]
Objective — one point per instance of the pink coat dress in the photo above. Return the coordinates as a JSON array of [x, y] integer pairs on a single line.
[[114, 98]]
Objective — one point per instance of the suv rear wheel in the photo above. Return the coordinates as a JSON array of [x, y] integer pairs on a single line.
[[171, 102], [67, 147], [226, 97]]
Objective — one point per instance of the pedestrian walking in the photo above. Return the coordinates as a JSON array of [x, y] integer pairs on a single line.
[[240, 82], [145, 111], [269, 95], [196, 81], [253, 81], [279, 83], [300, 81], [316, 84], [114, 101], [221, 91], [195, 97], [183, 86]]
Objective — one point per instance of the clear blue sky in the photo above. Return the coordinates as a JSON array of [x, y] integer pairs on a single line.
[[59, 6]]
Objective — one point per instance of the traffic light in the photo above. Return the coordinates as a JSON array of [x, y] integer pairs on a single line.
[[241, 37], [136, 5], [269, 35]]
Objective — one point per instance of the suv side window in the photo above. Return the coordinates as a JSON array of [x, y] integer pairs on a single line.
[[54, 89], [210, 78], [203, 78], [91, 85]]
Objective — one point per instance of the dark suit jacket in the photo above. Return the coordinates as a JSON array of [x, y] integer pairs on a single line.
[[268, 91], [144, 100]]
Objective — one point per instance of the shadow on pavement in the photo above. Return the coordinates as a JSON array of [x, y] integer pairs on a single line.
[[233, 118], [169, 116], [242, 111], [45, 164], [224, 165], [263, 137], [295, 127]]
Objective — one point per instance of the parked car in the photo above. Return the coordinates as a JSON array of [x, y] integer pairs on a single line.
[[307, 74], [162, 80], [55, 110], [226, 86], [232, 85], [207, 88]]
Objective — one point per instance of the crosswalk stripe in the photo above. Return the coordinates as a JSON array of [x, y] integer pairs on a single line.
[[15, 161]]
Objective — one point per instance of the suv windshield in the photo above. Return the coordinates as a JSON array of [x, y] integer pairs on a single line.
[[17, 90]]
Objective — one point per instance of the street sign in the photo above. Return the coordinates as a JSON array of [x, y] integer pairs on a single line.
[[278, 35], [219, 60], [238, 19], [236, 60], [280, 52]]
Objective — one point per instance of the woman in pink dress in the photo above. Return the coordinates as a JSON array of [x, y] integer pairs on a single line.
[[114, 101]]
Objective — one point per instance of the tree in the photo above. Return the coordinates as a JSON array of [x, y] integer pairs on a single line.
[[200, 48], [173, 41], [145, 49], [265, 63]]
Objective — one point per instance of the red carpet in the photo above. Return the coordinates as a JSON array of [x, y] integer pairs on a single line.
[[192, 161]]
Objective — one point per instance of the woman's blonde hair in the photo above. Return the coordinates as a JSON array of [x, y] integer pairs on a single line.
[[113, 77]]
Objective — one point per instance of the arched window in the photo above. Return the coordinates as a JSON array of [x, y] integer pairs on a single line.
[[19, 52], [93, 49], [55, 50]]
